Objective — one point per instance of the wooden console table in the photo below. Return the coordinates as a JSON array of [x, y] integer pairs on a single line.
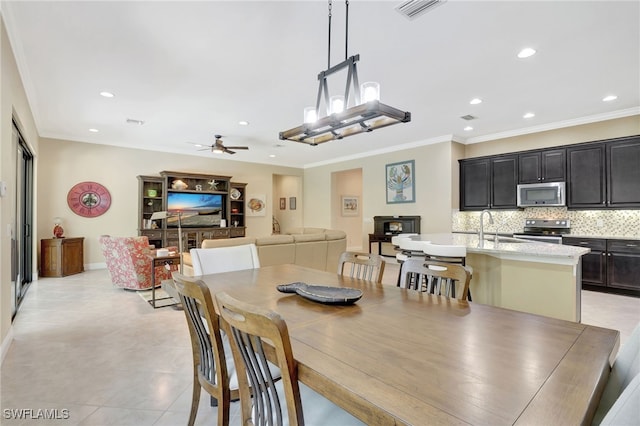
[[60, 257]]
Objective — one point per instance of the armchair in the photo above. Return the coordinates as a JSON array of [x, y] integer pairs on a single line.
[[128, 262]]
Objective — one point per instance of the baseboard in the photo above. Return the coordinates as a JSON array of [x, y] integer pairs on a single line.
[[6, 342], [94, 266]]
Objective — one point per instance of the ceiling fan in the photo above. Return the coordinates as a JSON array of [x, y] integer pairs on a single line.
[[218, 147]]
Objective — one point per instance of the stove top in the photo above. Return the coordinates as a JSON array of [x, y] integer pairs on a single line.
[[547, 226]]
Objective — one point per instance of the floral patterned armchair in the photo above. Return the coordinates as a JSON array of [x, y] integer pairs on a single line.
[[128, 262]]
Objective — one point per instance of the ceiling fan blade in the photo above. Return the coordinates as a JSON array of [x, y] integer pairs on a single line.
[[228, 151], [238, 147]]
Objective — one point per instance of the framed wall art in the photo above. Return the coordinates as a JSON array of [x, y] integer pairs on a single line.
[[350, 205], [400, 182], [283, 203], [292, 203], [256, 205]]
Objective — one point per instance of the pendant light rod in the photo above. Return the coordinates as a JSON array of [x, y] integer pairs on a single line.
[[346, 31], [329, 41]]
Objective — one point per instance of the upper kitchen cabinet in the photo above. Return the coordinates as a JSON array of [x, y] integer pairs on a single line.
[[604, 175], [623, 173], [489, 183], [542, 166], [586, 174]]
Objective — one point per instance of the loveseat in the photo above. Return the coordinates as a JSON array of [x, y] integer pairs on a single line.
[[316, 248]]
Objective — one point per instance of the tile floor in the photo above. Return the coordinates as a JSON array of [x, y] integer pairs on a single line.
[[108, 358]]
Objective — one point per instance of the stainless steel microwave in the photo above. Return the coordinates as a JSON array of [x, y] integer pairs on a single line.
[[548, 194]]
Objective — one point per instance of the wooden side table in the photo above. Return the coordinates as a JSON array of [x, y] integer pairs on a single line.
[[172, 259], [60, 257]]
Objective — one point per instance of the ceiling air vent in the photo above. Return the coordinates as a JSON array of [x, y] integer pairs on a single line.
[[468, 117], [411, 9]]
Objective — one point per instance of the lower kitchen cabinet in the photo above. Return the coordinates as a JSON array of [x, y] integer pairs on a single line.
[[611, 266], [623, 264]]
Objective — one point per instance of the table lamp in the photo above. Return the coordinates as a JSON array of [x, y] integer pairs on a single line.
[[58, 231]]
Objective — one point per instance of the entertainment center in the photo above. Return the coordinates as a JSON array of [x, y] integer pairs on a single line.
[[207, 207]]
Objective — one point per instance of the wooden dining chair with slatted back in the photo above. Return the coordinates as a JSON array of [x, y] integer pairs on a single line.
[[213, 367], [449, 254], [249, 327], [363, 266], [435, 277]]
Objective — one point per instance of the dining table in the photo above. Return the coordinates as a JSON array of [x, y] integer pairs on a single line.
[[399, 356]]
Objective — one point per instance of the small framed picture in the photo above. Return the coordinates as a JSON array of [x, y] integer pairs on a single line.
[[283, 203], [350, 205], [292, 203]]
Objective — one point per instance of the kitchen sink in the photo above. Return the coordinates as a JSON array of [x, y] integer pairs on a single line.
[[509, 240]]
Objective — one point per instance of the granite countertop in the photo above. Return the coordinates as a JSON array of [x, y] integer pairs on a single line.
[[508, 247], [605, 237]]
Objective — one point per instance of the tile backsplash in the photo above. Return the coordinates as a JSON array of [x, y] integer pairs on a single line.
[[596, 223]]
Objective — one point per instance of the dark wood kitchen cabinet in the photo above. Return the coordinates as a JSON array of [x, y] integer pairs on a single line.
[[613, 265], [594, 263], [604, 175], [623, 265], [542, 166], [60, 257], [586, 177], [623, 173], [489, 183]]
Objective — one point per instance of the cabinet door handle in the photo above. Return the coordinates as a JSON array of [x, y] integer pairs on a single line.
[[584, 242], [603, 254], [609, 254], [632, 245]]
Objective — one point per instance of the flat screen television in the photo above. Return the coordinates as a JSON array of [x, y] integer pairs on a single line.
[[199, 210]]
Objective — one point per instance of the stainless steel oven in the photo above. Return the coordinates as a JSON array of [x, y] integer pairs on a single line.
[[545, 230]]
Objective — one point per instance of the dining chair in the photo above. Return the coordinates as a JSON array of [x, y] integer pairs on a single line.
[[224, 259], [363, 266], [435, 277], [449, 254], [213, 368], [624, 370], [249, 326]]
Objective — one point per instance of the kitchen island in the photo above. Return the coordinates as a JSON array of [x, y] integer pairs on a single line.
[[527, 276]]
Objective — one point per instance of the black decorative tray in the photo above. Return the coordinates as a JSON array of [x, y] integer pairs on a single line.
[[323, 294]]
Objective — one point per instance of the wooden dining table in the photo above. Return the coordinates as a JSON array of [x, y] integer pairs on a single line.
[[399, 356]]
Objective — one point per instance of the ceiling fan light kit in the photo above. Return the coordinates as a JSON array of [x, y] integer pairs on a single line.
[[340, 120]]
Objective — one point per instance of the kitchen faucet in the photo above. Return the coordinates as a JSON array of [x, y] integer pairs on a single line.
[[481, 236]]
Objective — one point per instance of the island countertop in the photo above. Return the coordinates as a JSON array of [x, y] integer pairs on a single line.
[[508, 247]]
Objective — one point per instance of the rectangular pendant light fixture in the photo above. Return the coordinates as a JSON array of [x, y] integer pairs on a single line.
[[340, 120]]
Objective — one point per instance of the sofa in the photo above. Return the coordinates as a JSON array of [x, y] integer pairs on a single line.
[[317, 248]]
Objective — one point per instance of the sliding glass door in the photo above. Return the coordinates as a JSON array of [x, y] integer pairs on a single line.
[[22, 235]]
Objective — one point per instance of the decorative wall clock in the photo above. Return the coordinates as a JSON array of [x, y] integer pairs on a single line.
[[89, 199]]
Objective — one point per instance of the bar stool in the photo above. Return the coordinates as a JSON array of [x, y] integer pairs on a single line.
[[408, 248], [448, 254]]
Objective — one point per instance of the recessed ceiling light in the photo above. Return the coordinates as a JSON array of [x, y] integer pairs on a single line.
[[526, 52], [107, 94], [609, 98], [133, 121], [94, 130], [529, 115], [272, 155], [468, 128], [475, 101], [198, 145], [243, 123]]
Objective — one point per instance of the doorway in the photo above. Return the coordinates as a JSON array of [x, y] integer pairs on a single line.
[[347, 203], [22, 223]]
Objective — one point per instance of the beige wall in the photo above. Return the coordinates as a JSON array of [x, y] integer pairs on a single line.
[[68, 163], [434, 165], [615, 128], [13, 104]]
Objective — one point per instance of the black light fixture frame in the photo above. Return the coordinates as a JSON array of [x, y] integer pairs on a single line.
[[364, 117]]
